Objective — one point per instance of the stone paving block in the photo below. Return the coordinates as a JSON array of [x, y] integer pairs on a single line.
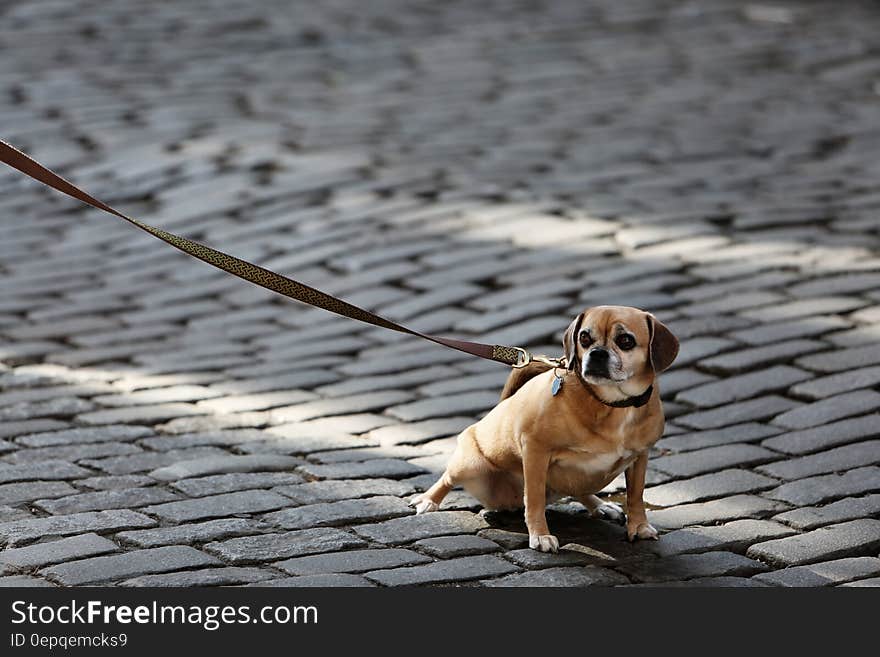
[[146, 414], [21, 532], [43, 470], [737, 433], [561, 576], [8, 513], [319, 581], [708, 486], [849, 508], [835, 384], [23, 427], [690, 566], [741, 360], [50, 552], [217, 506], [377, 468], [32, 490], [833, 460], [199, 532], [714, 511], [273, 547], [340, 513], [821, 488], [453, 570], [828, 573], [506, 539], [333, 490], [853, 538], [231, 483], [420, 432], [352, 561], [103, 500], [339, 406], [733, 536], [532, 559], [841, 360], [127, 565], [73, 453], [218, 438], [415, 527], [871, 582], [761, 408], [112, 433], [440, 406], [802, 327], [256, 401], [825, 436], [447, 547], [829, 410], [24, 581], [179, 393], [228, 576], [743, 386], [112, 482], [224, 464], [122, 465], [712, 458]]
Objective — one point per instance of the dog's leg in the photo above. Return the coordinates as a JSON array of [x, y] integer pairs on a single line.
[[431, 499], [637, 520], [535, 464], [599, 508]]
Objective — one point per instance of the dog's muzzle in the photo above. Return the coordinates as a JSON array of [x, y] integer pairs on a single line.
[[597, 362]]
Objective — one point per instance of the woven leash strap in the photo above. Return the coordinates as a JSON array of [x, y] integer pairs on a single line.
[[514, 356]]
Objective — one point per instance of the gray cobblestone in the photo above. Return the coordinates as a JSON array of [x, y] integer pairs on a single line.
[[569, 577], [216, 506], [825, 436], [231, 576], [823, 574], [821, 488], [123, 566], [733, 536], [712, 458], [829, 410], [376, 468], [64, 549], [714, 511], [846, 509], [21, 532], [689, 566], [855, 537], [340, 513], [834, 460], [213, 465], [412, 528], [103, 500], [453, 570], [352, 561], [199, 532], [333, 490], [717, 484], [231, 483], [272, 547], [31, 490], [447, 547]]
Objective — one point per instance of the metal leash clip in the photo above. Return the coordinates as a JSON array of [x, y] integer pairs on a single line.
[[526, 357]]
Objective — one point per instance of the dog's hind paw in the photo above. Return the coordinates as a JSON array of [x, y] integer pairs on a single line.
[[544, 543], [423, 505], [610, 511]]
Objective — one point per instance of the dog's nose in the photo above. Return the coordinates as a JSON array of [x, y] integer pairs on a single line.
[[597, 361]]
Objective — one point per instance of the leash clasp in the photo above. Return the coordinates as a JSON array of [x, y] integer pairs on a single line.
[[526, 357]]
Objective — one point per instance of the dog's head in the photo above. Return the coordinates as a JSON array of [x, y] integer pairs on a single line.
[[614, 345]]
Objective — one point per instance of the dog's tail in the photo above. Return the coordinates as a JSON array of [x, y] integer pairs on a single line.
[[519, 376]]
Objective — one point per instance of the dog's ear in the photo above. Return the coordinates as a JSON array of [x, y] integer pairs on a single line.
[[664, 345], [569, 341]]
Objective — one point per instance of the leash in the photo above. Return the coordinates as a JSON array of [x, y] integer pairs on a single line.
[[513, 356]]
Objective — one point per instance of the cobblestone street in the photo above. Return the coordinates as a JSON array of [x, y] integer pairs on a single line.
[[476, 170]]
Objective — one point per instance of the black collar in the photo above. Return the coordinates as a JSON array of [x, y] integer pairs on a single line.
[[638, 401]]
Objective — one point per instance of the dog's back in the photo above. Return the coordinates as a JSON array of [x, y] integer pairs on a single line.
[[519, 376]]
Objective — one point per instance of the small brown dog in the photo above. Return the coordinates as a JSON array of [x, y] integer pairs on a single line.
[[570, 432]]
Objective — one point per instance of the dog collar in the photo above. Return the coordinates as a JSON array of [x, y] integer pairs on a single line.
[[637, 401]]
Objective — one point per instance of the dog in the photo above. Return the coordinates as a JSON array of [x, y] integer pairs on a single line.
[[569, 431]]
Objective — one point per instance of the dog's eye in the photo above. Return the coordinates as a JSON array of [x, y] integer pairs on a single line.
[[586, 339], [625, 341]]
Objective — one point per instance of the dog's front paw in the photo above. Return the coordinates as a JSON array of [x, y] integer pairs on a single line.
[[423, 505], [641, 530], [610, 511], [544, 543]]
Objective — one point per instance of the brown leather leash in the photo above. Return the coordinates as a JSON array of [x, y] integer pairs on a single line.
[[513, 356]]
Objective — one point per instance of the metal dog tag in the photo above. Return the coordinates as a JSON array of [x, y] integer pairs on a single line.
[[557, 385]]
